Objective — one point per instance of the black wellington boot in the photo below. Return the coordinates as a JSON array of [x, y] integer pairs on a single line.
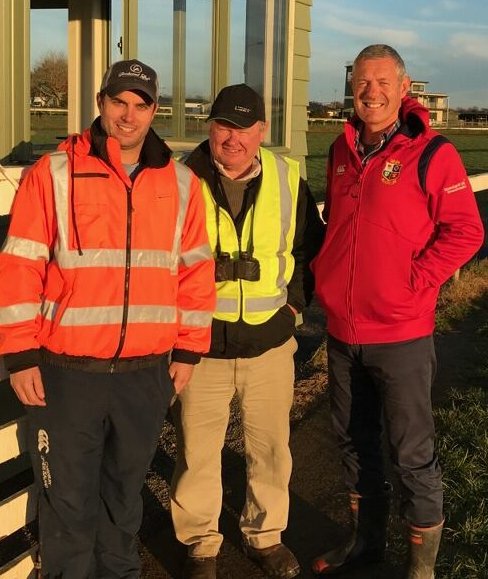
[[367, 543]]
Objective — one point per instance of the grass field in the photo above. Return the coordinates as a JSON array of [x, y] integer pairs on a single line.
[[49, 129], [471, 144], [461, 415]]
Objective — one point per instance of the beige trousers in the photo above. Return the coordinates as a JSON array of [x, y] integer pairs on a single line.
[[264, 386]]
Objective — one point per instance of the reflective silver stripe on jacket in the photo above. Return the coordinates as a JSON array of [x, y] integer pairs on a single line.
[[60, 174], [98, 315], [183, 179], [196, 318], [139, 258], [202, 253], [113, 258], [26, 248], [18, 313], [92, 316], [116, 257]]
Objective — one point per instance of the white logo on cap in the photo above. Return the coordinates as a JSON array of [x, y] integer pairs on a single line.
[[242, 109], [135, 70]]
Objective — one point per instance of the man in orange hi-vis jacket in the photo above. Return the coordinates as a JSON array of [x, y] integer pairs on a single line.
[[105, 307]]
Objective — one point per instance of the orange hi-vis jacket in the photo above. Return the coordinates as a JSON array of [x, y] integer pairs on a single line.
[[96, 264]]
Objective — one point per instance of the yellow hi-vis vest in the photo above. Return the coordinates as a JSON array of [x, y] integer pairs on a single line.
[[273, 223]]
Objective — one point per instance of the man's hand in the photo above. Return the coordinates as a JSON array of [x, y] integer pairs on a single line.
[[28, 386], [180, 374]]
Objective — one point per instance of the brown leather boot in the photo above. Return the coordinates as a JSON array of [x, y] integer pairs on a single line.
[[367, 543], [424, 546], [275, 561], [200, 568]]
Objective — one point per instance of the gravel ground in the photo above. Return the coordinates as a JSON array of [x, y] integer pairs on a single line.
[[318, 501]]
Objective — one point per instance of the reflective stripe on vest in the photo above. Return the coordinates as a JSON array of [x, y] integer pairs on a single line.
[[272, 221]]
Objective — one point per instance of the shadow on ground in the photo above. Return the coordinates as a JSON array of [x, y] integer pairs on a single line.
[[318, 517]]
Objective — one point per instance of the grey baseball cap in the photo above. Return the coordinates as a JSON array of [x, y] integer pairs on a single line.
[[130, 75]]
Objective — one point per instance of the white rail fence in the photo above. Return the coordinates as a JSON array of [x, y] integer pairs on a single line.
[[18, 503]]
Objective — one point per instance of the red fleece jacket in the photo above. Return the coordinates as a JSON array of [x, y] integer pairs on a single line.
[[390, 245]]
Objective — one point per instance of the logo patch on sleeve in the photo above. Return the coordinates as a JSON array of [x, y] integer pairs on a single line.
[[391, 172]]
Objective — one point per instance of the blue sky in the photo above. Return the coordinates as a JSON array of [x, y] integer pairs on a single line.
[[444, 42]]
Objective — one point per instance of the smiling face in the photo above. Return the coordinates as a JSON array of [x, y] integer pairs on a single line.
[[378, 88], [234, 147], [127, 118]]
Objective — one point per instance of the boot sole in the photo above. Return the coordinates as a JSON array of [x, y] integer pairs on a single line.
[[366, 559]]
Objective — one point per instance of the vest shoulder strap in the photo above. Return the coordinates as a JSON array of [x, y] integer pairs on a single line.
[[427, 155]]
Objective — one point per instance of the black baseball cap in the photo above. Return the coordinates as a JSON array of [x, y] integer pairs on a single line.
[[238, 104], [130, 75]]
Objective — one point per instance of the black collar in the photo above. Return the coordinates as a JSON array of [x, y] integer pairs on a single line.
[[155, 152]]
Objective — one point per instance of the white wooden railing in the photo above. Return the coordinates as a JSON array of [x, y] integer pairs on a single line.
[[18, 500]]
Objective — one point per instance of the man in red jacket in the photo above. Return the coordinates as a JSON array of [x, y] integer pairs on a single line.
[[392, 240], [108, 271]]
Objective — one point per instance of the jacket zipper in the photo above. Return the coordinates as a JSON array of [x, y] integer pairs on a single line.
[[125, 312], [352, 266]]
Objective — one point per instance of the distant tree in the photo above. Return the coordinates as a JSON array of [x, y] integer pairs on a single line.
[[316, 109], [49, 79], [336, 105]]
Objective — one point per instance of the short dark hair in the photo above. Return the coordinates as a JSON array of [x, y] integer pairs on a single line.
[[381, 51]]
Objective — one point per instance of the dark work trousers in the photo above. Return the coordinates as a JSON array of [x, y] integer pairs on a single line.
[[91, 447], [388, 384]]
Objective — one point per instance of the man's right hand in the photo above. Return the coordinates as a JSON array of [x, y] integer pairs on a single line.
[[28, 386]]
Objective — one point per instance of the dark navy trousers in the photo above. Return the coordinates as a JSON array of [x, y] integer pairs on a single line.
[[388, 385], [91, 447]]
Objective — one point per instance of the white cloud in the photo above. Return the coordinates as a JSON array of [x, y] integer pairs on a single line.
[[366, 25], [371, 32], [470, 45], [451, 5], [448, 48]]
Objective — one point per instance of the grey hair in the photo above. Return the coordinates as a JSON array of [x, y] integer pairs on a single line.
[[381, 51]]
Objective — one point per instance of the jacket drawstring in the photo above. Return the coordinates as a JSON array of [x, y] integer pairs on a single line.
[[73, 212]]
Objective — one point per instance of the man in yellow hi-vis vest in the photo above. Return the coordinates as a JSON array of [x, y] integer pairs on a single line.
[[264, 229]]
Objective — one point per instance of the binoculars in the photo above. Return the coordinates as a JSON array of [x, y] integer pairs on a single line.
[[244, 267]]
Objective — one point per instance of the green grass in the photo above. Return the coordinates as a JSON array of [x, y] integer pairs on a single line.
[[47, 129], [458, 299], [472, 146], [463, 450], [462, 429], [461, 418]]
